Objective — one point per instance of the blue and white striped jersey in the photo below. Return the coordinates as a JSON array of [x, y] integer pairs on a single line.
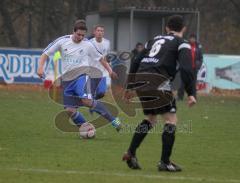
[[104, 48], [74, 55]]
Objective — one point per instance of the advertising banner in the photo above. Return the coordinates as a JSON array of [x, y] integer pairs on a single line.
[[220, 71], [20, 66]]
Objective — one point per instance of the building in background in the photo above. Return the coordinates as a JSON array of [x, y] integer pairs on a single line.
[[126, 26]]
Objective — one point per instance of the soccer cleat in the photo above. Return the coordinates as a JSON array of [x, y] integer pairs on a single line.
[[170, 167], [131, 161], [116, 123]]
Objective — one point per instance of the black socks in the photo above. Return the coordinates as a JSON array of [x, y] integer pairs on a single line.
[[168, 137], [140, 133]]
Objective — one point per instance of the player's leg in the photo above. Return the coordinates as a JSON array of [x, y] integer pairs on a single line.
[[83, 91], [76, 116], [140, 133], [101, 88], [168, 136], [71, 103], [98, 107], [98, 89], [168, 139], [141, 130]]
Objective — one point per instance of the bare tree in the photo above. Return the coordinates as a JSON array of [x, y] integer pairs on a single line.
[[236, 5], [8, 23]]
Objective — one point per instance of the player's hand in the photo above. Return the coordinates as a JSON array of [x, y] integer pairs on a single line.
[[128, 95], [40, 72], [191, 101], [113, 75]]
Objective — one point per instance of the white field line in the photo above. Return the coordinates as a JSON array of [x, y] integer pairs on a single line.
[[149, 176]]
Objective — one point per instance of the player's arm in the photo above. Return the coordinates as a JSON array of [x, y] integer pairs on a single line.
[[50, 50], [96, 55], [42, 61], [108, 46], [135, 63], [106, 65], [133, 69], [130, 84], [186, 72], [108, 50]]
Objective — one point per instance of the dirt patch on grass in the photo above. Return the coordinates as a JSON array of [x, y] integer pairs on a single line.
[[39, 87], [22, 87], [223, 92]]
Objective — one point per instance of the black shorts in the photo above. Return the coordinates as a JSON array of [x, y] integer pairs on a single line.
[[154, 92], [164, 103]]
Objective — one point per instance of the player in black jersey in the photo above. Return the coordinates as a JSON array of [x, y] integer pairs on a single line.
[[150, 77]]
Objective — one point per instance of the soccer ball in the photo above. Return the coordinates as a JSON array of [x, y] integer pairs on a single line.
[[87, 131]]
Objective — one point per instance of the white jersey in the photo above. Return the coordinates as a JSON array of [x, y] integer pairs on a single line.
[[104, 48], [74, 55]]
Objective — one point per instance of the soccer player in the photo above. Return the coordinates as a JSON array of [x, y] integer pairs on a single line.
[[103, 46], [77, 53], [153, 72]]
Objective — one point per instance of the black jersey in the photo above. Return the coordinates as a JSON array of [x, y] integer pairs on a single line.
[[166, 55]]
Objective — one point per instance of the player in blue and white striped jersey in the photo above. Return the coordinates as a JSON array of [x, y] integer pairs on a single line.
[[77, 53], [103, 46]]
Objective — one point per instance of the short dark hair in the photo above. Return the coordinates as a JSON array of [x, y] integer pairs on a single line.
[[97, 26], [175, 23], [139, 44], [79, 25]]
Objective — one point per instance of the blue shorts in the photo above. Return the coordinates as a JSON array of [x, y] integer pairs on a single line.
[[98, 87], [75, 90]]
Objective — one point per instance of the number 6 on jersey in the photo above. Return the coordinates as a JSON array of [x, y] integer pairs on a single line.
[[156, 47]]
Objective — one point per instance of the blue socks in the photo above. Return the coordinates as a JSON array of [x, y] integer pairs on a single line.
[[99, 108], [78, 118]]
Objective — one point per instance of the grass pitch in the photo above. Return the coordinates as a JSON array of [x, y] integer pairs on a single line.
[[33, 150]]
